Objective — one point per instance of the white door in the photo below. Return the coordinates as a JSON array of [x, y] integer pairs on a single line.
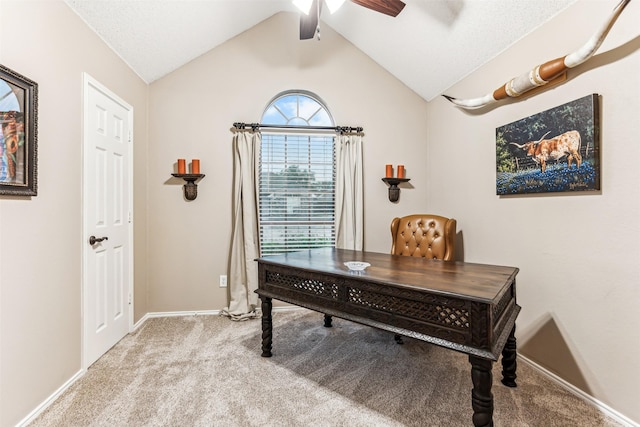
[[107, 189]]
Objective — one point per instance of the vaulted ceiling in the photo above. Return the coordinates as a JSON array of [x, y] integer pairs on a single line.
[[430, 46]]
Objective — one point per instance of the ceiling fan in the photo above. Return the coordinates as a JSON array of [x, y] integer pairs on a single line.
[[309, 20]]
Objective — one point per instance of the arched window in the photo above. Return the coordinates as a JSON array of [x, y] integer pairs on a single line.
[[297, 175], [297, 108]]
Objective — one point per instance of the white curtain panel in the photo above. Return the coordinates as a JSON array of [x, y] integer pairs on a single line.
[[349, 193], [243, 270]]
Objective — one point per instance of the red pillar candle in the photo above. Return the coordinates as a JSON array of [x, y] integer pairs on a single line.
[[400, 171], [195, 166], [389, 171], [182, 166]]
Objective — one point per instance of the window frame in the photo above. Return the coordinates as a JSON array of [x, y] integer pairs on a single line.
[[288, 220]]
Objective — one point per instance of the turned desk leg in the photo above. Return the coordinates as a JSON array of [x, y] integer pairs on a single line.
[[481, 397], [327, 321], [509, 363], [267, 326]]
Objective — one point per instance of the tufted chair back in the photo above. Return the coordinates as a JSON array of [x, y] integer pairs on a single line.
[[424, 235]]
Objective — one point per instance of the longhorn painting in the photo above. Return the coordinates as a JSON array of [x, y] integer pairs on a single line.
[[556, 150]]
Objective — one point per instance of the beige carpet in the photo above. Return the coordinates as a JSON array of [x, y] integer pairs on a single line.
[[207, 371]]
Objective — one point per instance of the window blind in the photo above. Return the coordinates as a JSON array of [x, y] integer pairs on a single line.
[[296, 192]]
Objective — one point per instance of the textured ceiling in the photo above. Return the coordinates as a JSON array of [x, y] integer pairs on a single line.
[[430, 46]]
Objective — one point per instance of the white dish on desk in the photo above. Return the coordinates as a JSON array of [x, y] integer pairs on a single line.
[[356, 265]]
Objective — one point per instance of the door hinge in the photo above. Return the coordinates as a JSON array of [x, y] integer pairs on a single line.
[[130, 217], [130, 299]]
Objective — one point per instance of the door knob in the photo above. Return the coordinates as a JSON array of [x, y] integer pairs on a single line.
[[93, 240]]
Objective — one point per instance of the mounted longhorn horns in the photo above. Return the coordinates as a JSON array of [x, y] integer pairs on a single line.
[[546, 72]]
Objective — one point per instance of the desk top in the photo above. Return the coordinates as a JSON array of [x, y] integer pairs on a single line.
[[479, 282]]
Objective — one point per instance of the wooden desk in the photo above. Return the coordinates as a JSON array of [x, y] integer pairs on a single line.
[[470, 308]]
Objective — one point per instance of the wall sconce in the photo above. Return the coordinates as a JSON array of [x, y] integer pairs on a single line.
[[190, 187], [394, 191]]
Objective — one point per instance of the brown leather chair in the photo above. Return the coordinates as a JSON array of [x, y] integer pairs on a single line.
[[424, 235]]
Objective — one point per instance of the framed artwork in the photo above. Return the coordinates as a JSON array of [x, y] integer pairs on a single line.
[[557, 150], [18, 134]]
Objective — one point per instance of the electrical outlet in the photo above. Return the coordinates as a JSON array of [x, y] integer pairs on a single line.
[[223, 280]]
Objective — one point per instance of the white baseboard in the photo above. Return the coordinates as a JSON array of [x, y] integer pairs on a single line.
[[174, 314], [49, 400], [602, 407], [198, 313]]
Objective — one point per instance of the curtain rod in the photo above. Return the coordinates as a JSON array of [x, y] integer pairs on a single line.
[[256, 126]]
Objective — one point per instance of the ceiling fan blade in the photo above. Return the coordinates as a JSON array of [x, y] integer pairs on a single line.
[[388, 7], [309, 23]]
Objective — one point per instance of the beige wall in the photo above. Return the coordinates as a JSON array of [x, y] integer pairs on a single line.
[[190, 115], [578, 254], [41, 237]]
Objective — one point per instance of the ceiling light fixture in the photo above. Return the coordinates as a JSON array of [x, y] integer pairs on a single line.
[[334, 5], [305, 5], [310, 19]]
